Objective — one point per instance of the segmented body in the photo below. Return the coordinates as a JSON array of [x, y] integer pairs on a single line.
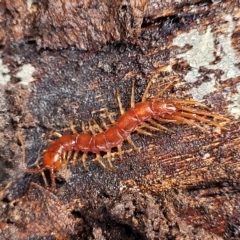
[[174, 110], [112, 137]]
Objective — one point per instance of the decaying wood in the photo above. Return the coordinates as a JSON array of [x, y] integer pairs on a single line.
[[182, 185]]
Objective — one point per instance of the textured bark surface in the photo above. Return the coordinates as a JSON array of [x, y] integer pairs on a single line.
[[182, 185]]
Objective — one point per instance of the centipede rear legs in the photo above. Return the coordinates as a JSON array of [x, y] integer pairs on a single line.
[[39, 170]]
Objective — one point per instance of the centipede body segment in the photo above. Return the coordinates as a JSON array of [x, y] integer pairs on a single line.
[[146, 114]]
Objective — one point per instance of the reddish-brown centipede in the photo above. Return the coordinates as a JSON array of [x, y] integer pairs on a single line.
[[146, 114]]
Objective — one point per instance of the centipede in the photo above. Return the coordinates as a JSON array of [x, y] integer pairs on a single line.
[[150, 113]]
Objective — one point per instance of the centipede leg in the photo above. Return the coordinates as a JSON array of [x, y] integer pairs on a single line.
[[104, 122], [75, 155], [159, 119], [72, 127], [98, 127], [182, 120], [122, 111], [156, 127], [132, 102], [161, 92], [130, 141], [120, 152], [109, 159], [64, 155], [99, 159], [53, 181], [69, 155], [44, 180], [144, 132], [56, 134], [111, 119], [84, 128], [145, 94], [158, 94], [83, 159], [140, 130], [98, 156], [190, 102], [160, 127], [108, 155], [105, 126], [145, 125]]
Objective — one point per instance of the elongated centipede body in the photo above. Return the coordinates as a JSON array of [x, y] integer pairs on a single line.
[[146, 114]]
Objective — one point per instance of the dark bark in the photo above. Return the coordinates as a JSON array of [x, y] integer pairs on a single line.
[[182, 185]]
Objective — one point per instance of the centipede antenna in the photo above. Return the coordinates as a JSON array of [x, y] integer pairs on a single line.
[[132, 95], [122, 111]]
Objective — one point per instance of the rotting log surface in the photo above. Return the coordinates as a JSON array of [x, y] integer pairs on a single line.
[[182, 185]]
